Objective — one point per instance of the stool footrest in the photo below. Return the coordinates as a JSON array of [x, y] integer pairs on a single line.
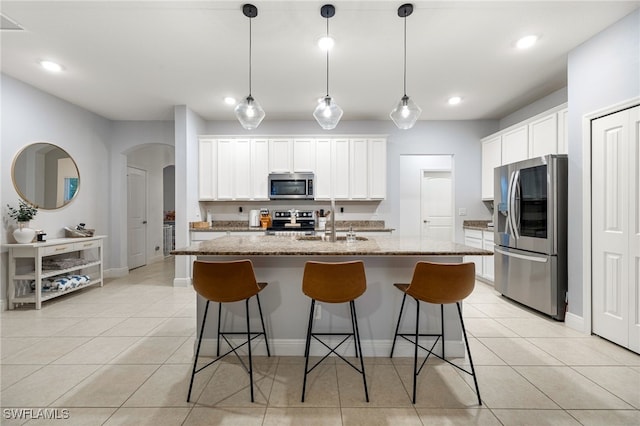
[[333, 350]]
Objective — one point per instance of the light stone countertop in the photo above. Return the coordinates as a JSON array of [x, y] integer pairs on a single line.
[[270, 245]]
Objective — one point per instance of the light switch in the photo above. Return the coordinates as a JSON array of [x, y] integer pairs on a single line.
[[462, 212]]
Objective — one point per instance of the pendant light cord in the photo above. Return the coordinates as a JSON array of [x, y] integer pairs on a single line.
[[405, 55], [327, 58], [250, 57]]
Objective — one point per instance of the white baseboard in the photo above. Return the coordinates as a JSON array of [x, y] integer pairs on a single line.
[[181, 282], [370, 348], [116, 272], [575, 322]]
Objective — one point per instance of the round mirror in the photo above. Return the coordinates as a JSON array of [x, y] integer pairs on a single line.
[[45, 175]]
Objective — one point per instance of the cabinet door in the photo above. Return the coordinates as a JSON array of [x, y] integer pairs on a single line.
[[280, 155], [242, 170], [477, 260], [491, 158], [340, 169], [323, 169], [226, 165], [563, 134], [358, 169], [207, 170], [304, 155], [488, 265], [259, 169], [378, 169], [543, 136], [515, 146]]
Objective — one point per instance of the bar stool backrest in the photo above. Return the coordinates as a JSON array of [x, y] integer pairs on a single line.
[[334, 282], [225, 281], [442, 283]]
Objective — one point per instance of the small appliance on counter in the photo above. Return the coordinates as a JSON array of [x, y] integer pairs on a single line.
[[292, 222], [254, 218], [265, 218]]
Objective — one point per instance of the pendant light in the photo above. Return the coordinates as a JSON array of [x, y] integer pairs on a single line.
[[327, 113], [249, 112], [406, 112]]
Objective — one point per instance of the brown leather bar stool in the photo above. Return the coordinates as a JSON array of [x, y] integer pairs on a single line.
[[437, 283], [226, 282], [334, 283]]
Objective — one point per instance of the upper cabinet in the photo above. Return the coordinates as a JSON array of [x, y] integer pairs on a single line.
[[543, 134], [344, 168]]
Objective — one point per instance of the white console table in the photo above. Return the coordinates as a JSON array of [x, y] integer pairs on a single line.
[[25, 267]]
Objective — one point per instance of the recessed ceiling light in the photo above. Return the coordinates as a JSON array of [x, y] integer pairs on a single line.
[[230, 100], [454, 100], [527, 41], [326, 43], [51, 66]]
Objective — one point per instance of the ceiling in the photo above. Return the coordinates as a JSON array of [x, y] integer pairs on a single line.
[[136, 60]]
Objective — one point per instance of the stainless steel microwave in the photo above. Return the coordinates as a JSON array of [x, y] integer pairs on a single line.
[[291, 186]]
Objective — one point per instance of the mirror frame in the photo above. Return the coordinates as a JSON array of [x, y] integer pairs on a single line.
[[21, 193]]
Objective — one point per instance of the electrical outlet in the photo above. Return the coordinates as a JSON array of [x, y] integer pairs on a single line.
[[341, 209], [462, 212], [318, 312]]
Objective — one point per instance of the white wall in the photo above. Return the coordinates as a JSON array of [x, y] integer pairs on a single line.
[[30, 115], [603, 71], [541, 105]]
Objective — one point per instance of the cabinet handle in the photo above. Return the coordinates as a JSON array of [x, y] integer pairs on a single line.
[[61, 248], [87, 244]]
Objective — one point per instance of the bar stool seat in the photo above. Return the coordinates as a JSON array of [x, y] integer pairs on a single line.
[[339, 282], [226, 282], [437, 283]]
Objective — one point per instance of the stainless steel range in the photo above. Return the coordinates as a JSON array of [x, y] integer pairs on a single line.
[[292, 222]]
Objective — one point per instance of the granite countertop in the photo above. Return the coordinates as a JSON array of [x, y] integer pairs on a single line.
[[481, 225], [341, 226], [269, 245]]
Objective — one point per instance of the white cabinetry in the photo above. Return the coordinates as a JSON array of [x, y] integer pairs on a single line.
[[54, 268], [543, 134], [346, 169], [515, 145], [304, 155], [487, 261], [473, 238], [280, 155], [482, 239], [491, 158], [233, 169]]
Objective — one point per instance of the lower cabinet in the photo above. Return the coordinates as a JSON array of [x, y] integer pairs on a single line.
[[484, 264]]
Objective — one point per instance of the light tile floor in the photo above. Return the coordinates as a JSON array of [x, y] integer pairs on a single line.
[[121, 354]]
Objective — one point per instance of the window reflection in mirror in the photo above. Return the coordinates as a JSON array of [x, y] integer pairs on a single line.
[[45, 175]]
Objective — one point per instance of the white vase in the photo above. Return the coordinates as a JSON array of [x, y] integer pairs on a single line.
[[24, 234]]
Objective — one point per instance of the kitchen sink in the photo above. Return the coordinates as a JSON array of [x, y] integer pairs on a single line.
[[326, 238]]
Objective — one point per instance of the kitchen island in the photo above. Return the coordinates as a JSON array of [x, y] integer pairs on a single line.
[[279, 260]]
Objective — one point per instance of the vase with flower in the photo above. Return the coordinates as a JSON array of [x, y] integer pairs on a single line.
[[23, 215]]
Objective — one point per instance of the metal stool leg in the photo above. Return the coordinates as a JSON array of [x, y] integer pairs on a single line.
[[442, 327], [264, 330], [353, 330], [415, 353], [466, 343], [249, 346], [395, 336], [354, 318], [218, 336], [306, 348], [195, 362]]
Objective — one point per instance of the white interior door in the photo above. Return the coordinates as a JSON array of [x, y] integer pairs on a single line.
[[437, 205], [136, 217], [616, 228]]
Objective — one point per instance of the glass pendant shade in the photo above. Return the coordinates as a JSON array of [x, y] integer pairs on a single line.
[[327, 113], [249, 113], [406, 113]]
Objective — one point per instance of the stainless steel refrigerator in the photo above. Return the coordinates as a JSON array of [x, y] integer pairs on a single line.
[[530, 233]]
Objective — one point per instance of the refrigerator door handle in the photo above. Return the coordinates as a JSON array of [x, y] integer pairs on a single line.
[[521, 256], [516, 206], [511, 212]]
